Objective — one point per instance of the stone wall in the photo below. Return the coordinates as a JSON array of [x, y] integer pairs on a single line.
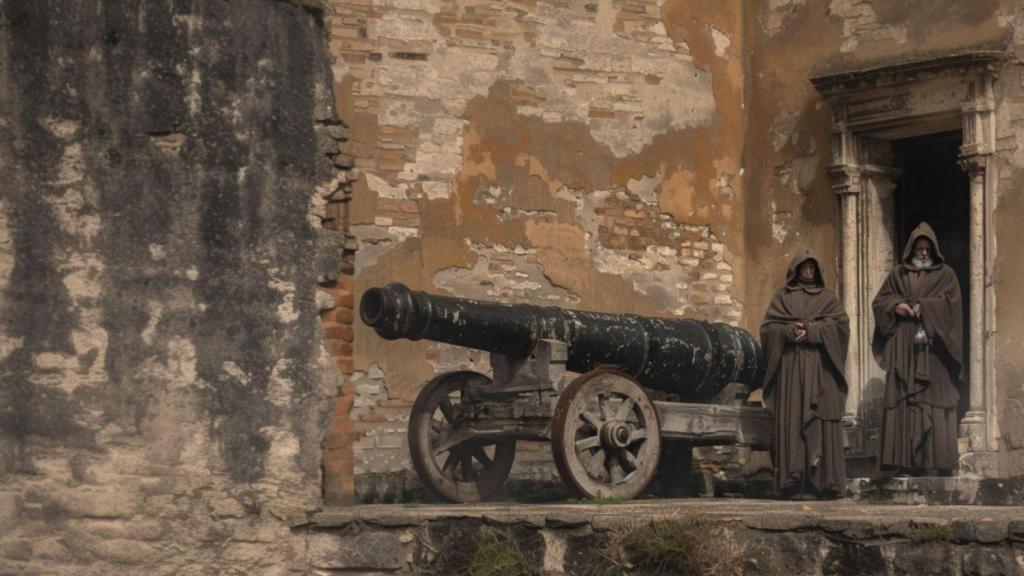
[[1008, 243], [708, 536], [563, 153], [163, 388]]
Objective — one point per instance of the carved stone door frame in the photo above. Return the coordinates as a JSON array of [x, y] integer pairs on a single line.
[[870, 108]]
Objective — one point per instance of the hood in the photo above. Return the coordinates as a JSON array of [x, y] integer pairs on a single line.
[[923, 230], [805, 254]]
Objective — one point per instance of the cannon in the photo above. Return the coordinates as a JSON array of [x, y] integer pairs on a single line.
[[604, 428]]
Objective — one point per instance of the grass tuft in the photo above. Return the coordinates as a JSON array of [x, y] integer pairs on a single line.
[[483, 551], [691, 546], [497, 554], [933, 533]]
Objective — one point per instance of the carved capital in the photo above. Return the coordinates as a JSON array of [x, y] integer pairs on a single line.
[[971, 161], [846, 179]]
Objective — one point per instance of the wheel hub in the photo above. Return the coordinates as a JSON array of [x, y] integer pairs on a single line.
[[615, 434]]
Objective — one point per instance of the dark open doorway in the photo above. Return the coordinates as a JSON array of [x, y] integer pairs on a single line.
[[934, 189]]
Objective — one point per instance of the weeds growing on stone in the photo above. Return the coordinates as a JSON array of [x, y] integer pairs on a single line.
[[933, 533], [498, 554], [483, 551], [693, 545]]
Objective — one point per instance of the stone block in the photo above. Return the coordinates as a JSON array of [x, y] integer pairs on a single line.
[[1015, 530], [98, 501], [124, 551], [8, 510], [990, 561], [369, 550], [17, 549], [990, 532]]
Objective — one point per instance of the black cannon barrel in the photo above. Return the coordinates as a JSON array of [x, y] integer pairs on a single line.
[[690, 357]]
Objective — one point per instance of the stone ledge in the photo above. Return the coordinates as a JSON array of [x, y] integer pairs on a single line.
[[772, 537], [858, 521], [935, 490]]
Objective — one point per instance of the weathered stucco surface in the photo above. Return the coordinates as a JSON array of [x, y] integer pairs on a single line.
[[1009, 241], [562, 153], [162, 393]]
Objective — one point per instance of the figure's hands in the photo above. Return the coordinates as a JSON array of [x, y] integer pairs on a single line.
[[904, 310], [799, 332], [916, 310]]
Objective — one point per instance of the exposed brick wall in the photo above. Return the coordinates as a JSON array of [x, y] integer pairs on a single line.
[[569, 154]]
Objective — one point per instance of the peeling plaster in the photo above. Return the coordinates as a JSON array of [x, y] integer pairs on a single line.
[[375, 240], [783, 129], [774, 14], [646, 187], [664, 272], [721, 40], [861, 24], [780, 228], [639, 110], [384, 190], [504, 274], [797, 174]]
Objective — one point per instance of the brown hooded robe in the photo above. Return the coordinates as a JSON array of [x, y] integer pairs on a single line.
[[919, 427], [804, 384]]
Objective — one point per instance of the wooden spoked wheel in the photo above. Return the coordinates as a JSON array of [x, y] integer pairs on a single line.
[[468, 470], [605, 436]]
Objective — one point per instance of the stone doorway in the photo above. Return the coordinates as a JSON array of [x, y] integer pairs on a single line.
[[933, 188], [898, 132]]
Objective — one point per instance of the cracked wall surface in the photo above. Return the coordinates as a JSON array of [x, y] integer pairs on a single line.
[[163, 389], [576, 154]]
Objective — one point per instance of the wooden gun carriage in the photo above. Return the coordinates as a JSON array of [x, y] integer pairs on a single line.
[[605, 431]]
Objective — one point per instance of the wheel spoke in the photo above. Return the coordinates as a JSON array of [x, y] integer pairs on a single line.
[[595, 465], [467, 466], [624, 409], [615, 471], [592, 420], [482, 457], [443, 442], [637, 434], [449, 462], [447, 409], [628, 459], [588, 443]]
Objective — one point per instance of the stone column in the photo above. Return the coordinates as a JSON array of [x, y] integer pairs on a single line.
[[978, 428], [849, 201], [973, 426], [846, 183]]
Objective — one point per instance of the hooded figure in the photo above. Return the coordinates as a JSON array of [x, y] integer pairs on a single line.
[[918, 341], [804, 337]]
